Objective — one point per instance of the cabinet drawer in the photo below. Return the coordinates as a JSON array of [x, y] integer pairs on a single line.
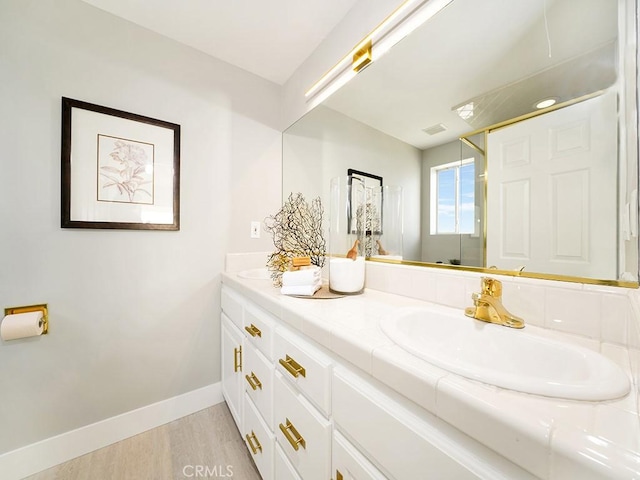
[[349, 464], [302, 432], [284, 469], [401, 443], [231, 304], [259, 440], [305, 366], [258, 327], [257, 377]]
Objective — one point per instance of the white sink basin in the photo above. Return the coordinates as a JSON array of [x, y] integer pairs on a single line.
[[509, 358], [255, 274]]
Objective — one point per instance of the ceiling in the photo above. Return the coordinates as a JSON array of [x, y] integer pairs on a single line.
[[270, 39], [502, 55], [471, 51]]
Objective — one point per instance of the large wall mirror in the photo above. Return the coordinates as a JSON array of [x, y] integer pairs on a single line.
[[491, 178]]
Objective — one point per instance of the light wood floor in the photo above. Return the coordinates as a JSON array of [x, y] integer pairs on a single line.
[[207, 442]]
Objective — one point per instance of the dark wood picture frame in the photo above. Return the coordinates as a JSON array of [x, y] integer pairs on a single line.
[[120, 170]]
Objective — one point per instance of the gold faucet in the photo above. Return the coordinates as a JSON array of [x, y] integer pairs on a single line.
[[488, 305]]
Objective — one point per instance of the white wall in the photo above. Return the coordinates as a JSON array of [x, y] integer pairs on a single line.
[[324, 144], [134, 315]]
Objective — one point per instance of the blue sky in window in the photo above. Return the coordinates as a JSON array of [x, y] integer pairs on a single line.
[[447, 201]]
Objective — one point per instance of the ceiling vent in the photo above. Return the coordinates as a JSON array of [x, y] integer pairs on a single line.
[[439, 128]]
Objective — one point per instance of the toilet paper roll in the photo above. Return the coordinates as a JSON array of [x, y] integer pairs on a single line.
[[21, 325]]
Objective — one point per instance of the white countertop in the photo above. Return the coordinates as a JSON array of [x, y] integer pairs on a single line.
[[551, 438]]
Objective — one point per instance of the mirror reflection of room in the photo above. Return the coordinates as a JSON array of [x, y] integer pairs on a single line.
[[457, 127]]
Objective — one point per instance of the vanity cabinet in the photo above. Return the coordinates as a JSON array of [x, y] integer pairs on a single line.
[[259, 439], [349, 464], [258, 382], [305, 366], [231, 365], [259, 329], [304, 413], [409, 444], [302, 432], [247, 376], [284, 469], [277, 388]]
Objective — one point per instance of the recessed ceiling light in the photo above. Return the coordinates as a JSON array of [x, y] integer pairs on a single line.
[[547, 102]]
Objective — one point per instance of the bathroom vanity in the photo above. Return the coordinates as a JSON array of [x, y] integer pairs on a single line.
[[318, 391]]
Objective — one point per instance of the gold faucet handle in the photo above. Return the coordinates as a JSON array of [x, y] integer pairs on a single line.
[[475, 296], [491, 287]]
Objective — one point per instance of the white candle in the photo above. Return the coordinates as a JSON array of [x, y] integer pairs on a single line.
[[346, 275]]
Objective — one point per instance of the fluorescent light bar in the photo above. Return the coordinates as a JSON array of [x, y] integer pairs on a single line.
[[337, 83], [419, 16], [402, 21]]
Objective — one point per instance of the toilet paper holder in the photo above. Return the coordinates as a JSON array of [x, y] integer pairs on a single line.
[[32, 308]]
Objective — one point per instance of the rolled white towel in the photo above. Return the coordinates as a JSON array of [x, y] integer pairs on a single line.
[[306, 277], [305, 290]]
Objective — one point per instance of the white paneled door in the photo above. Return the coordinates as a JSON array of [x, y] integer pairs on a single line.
[[551, 197]]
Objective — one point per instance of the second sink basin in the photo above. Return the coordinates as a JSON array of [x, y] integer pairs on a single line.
[[514, 359], [255, 274]]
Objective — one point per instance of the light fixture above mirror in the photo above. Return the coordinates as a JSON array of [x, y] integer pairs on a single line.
[[400, 23]]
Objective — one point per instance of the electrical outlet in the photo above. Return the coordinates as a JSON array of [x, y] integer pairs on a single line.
[[255, 229]]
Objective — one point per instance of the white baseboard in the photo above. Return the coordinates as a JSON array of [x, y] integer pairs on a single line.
[[52, 451]]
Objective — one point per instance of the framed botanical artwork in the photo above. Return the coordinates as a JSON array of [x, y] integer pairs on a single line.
[[119, 170]]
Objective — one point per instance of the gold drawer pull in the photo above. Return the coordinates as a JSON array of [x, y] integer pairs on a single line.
[[293, 367], [237, 359], [339, 475], [257, 446], [253, 381], [291, 434], [253, 330]]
